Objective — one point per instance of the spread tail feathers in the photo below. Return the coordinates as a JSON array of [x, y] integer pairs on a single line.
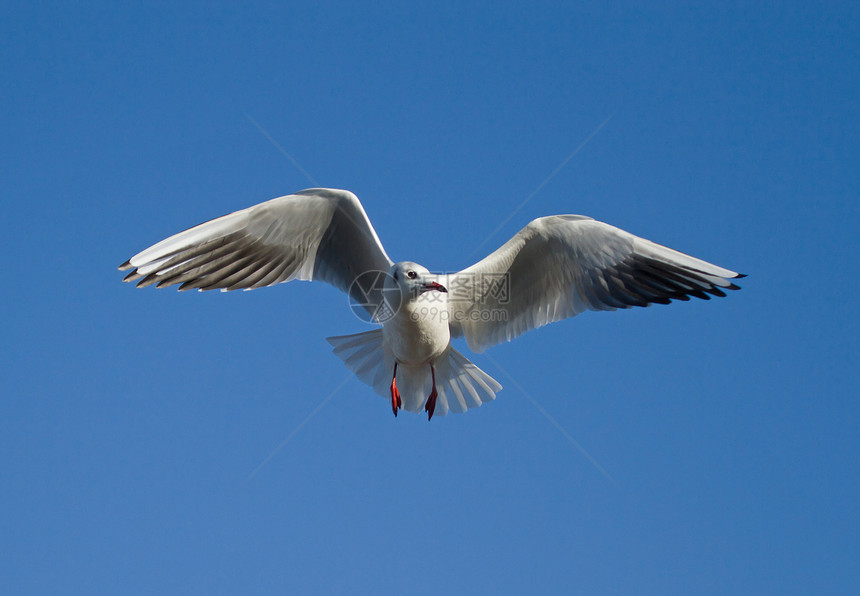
[[461, 385]]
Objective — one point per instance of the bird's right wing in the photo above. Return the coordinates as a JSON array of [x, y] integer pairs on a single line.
[[317, 233], [559, 266]]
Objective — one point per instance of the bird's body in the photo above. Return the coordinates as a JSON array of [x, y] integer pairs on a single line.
[[554, 268], [418, 333]]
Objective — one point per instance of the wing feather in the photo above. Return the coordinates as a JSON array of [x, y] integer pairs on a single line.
[[559, 266], [317, 233]]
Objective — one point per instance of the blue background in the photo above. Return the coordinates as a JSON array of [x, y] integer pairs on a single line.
[[133, 424]]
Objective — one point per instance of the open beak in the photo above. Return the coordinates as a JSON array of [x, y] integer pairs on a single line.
[[432, 285]]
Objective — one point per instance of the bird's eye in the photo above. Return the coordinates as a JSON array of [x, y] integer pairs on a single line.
[[411, 275]]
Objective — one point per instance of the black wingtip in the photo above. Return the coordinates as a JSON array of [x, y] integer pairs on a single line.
[[740, 275], [133, 276], [125, 266]]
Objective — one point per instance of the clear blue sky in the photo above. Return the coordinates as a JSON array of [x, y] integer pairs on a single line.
[[131, 420]]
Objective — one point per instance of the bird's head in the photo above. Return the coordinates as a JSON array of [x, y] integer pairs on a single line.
[[413, 280]]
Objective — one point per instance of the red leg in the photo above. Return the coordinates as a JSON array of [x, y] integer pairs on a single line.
[[396, 402], [430, 406]]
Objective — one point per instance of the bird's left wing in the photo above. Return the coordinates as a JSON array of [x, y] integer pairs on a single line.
[[317, 233], [559, 266]]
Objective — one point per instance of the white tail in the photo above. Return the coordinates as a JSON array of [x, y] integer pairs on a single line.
[[461, 385]]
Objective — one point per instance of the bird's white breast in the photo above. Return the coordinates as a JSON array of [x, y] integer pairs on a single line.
[[419, 332]]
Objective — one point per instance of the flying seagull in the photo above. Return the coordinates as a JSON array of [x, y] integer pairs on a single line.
[[554, 268]]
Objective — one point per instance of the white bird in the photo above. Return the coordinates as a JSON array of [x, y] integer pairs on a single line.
[[554, 268]]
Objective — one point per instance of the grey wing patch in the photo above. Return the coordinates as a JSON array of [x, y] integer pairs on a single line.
[[230, 262], [357, 274], [314, 234], [560, 266]]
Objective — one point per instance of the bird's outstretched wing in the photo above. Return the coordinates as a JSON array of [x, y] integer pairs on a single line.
[[559, 266], [318, 233]]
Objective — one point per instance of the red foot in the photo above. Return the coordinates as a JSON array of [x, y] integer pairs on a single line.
[[396, 402], [430, 406]]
